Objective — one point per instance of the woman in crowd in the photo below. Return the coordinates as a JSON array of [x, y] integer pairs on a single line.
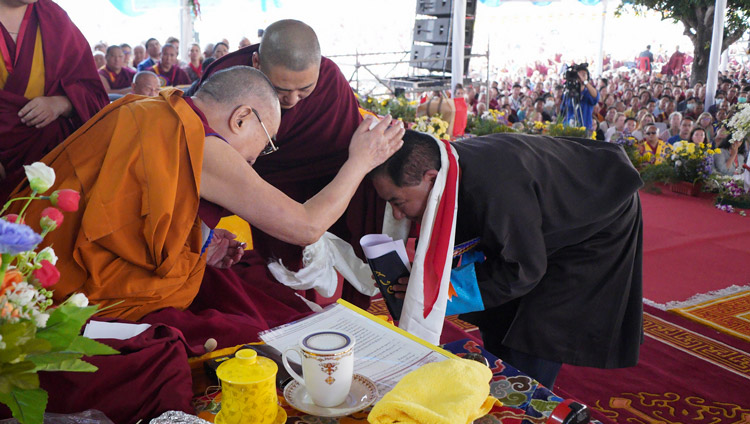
[[705, 121], [528, 107], [698, 135], [732, 156], [646, 119], [193, 68], [673, 126], [609, 120]]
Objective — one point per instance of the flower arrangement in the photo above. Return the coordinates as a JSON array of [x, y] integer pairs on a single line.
[[739, 123], [686, 162], [732, 195], [398, 107], [692, 163], [34, 336], [630, 145], [432, 125], [491, 122], [560, 130]]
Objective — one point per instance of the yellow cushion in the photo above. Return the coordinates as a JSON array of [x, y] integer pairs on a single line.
[[239, 227]]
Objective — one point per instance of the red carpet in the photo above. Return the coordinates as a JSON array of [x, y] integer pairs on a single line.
[[687, 373], [690, 247]]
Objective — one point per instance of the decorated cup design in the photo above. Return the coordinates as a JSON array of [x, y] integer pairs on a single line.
[[327, 358]]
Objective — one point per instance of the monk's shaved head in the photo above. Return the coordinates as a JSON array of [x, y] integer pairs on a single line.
[[233, 86], [113, 50], [290, 44]]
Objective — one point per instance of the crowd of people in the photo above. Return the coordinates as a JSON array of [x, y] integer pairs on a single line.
[[656, 109], [145, 68]]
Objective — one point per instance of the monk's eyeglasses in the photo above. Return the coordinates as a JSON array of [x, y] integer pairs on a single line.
[[270, 147]]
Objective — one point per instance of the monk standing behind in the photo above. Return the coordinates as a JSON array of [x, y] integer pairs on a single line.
[[115, 76], [145, 165], [319, 115], [168, 70], [48, 84]]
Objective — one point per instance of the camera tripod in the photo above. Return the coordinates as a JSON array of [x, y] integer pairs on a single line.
[[571, 101]]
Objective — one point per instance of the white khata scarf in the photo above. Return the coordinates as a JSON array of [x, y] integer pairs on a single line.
[[427, 294]]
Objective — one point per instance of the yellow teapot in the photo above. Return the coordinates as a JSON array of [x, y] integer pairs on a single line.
[[248, 385]]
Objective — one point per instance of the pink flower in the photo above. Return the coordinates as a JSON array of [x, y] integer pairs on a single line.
[[51, 218], [47, 275], [65, 199]]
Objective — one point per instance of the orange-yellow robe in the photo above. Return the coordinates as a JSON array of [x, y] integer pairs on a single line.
[[136, 237]]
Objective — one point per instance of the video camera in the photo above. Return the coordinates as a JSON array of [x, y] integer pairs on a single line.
[[572, 81]]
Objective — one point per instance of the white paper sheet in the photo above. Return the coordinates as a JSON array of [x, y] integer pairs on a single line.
[[113, 330], [380, 353], [377, 245]]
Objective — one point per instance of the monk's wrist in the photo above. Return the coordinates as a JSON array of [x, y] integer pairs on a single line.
[[63, 106]]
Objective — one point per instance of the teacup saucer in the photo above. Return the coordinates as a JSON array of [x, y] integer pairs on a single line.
[[362, 394], [280, 416]]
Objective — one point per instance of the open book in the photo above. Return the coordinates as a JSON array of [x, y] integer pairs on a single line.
[[382, 352], [388, 261]]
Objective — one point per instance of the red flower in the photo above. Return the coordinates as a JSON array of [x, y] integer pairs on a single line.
[[47, 275], [51, 218], [65, 199], [12, 218]]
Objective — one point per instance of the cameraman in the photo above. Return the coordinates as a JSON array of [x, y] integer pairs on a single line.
[[586, 97]]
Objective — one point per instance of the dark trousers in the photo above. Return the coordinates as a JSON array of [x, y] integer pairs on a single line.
[[542, 370]]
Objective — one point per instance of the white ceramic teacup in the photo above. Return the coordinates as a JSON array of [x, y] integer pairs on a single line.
[[327, 365]]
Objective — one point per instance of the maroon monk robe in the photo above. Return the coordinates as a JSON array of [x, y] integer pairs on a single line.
[[69, 71], [313, 142], [118, 81], [150, 376], [173, 77]]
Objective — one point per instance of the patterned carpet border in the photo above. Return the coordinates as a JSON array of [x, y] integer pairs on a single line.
[[713, 351], [729, 314]]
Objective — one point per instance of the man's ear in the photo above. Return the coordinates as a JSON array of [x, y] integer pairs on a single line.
[[430, 176], [256, 61], [239, 118]]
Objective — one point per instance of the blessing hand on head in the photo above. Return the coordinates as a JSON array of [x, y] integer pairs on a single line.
[[372, 146]]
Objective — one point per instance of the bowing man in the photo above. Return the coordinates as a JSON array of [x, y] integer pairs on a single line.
[[48, 84], [319, 114], [560, 273], [138, 238]]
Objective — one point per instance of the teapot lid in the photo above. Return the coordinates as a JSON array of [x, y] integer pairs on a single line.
[[246, 368]]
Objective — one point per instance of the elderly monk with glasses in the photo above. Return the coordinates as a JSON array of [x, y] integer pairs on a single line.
[[318, 117], [139, 241], [652, 145]]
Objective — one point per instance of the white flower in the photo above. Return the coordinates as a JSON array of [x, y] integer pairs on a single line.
[[2, 343], [678, 163], [46, 254], [22, 294], [40, 176], [79, 299], [41, 320]]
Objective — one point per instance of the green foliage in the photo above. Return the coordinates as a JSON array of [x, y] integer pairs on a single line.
[[483, 126], [398, 107], [560, 130], [663, 173], [56, 347], [27, 405], [64, 324]]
